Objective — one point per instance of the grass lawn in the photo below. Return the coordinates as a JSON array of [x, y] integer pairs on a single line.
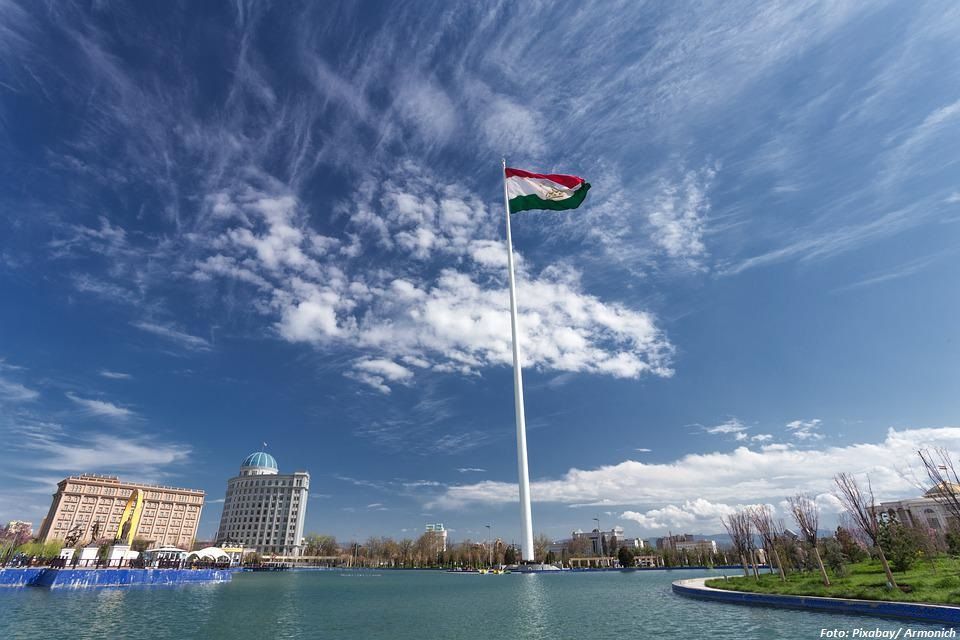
[[936, 584]]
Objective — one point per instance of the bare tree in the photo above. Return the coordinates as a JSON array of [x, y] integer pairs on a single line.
[[807, 515], [862, 509], [738, 528], [540, 545], [770, 531], [943, 475]]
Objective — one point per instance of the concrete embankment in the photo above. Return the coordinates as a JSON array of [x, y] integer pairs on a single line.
[[86, 578], [933, 613]]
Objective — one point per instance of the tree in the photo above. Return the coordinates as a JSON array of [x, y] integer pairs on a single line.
[[406, 549], [12, 537], [738, 528], [835, 557], [806, 513], [252, 558], [579, 546], [540, 544], [943, 475], [510, 555], [903, 544], [770, 531], [320, 545], [139, 544], [862, 509], [849, 545], [625, 556]]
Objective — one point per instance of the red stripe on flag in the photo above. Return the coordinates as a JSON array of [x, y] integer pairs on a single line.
[[568, 181]]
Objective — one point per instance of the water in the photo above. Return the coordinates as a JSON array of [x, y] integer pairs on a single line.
[[402, 605]]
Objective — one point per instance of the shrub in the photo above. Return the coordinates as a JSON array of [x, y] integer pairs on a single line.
[[953, 542], [849, 546], [901, 544], [831, 552]]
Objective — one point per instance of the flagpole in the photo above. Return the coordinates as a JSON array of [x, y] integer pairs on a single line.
[[526, 520]]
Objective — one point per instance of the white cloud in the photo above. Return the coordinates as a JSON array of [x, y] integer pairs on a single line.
[[693, 516], [678, 216], [376, 372], [115, 375], [746, 474], [427, 107], [643, 450], [182, 338], [438, 300], [52, 448], [733, 425], [101, 407], [471, 470], [11, 391], [805, 429]]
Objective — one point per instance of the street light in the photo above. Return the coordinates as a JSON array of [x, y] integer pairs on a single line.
[[599, 537], [490, 542]]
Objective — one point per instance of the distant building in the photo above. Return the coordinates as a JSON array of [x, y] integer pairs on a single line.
[[439, 535], [264, 509], [923, 512], [91, 506], [600, 542], [686, 542], [648, 561], [606, 542]]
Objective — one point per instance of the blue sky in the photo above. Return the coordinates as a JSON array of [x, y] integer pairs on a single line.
[[224, 224]]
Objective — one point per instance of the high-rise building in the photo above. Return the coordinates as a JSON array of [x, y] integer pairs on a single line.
[[90, 506], [264, 509], [438, 535]]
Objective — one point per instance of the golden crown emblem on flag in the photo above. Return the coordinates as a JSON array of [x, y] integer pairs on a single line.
[[555, 194]]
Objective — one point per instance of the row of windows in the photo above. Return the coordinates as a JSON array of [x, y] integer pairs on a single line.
[[91, 493], [296, 482]]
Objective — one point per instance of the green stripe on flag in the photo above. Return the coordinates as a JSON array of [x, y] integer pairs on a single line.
[[530, 202]]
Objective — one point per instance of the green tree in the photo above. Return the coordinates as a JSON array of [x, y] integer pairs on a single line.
[[901, 544], [834, 557], [625, 556], [139, 544], [510, 555]]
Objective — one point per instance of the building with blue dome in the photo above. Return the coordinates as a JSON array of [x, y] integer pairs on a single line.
[[259, 463], [264, 509]]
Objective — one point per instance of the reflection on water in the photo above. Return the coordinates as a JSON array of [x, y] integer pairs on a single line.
[[532, 603], [408, 605]]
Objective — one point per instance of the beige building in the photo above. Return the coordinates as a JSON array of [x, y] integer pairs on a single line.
[[264, 510], [928, 512], [91, 503]]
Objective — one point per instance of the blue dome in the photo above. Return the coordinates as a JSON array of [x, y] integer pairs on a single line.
[[260, 459]]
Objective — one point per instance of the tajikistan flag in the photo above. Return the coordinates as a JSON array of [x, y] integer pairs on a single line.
[[555, 191]]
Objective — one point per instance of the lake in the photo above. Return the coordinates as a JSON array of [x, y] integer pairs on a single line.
[[402, 605]]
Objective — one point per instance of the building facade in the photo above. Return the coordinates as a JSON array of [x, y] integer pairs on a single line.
[[264, 509], [687, 542], [596, 542], [438, 535], [927, 512], [90, 507]]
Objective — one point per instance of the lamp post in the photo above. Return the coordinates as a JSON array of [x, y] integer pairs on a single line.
[[490, 542], [599, 538]]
